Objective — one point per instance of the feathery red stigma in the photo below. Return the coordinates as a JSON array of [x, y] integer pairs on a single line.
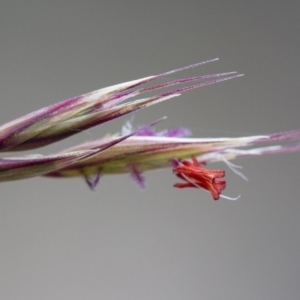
[[197, 176]]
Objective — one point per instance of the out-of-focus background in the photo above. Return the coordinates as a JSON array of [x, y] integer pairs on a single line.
[[59, 240]]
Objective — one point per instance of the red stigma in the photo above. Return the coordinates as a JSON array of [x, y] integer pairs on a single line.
[[197, 176]]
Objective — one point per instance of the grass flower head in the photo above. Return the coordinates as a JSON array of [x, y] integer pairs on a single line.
[[132, 151]]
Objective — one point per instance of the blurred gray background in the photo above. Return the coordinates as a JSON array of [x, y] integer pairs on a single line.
[[59, 240]]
